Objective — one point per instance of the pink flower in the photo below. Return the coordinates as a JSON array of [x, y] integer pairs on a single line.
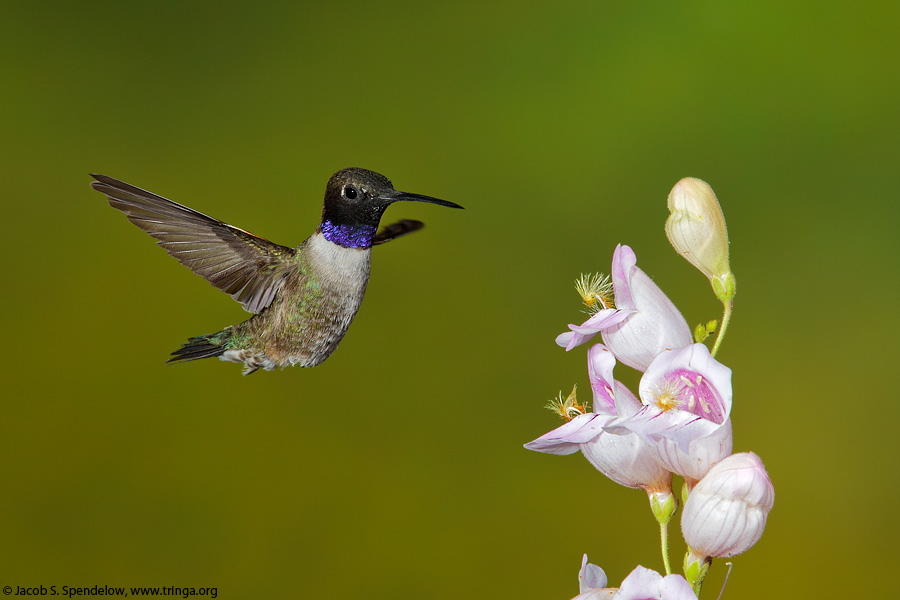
[[644, 322], [622, 456], [646, 584], [687, 404], [725, 513]]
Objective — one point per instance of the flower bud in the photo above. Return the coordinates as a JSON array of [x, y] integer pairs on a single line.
[[726, 511], [696, 229]]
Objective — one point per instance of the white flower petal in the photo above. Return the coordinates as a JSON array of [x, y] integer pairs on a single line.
[[646, 584], [725, 513], [655, 326], [566, 438], [590, 576]]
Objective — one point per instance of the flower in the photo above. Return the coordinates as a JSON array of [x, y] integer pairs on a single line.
[[687, 404], [622, 456], [643, 323], [696, 229], [725, 513], [646, 584]]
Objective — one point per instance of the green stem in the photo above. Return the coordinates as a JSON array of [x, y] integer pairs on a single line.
[[697, 586], [664, 542], [726, 317]]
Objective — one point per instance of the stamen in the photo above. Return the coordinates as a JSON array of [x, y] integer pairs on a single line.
[[704, 405], [596, 292], [569, 408]]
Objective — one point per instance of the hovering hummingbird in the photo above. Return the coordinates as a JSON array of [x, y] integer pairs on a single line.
[[303, 298]]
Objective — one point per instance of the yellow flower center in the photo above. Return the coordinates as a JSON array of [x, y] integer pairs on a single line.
[[667, 397]]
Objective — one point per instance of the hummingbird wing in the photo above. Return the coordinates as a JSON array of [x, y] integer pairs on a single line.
[[397, 229], [249, 268]]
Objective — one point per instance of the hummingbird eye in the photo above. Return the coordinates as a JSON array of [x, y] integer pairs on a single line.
[[350, 192]]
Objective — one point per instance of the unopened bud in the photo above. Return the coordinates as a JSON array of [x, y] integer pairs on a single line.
[[725, 513], [696, 229]]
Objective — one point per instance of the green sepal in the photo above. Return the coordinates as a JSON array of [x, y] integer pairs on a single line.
[[724, 287], [691, 571], [695, 571], [663, 511]]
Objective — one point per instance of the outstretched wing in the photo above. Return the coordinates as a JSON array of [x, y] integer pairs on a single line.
[[395, 230], [249, 268]]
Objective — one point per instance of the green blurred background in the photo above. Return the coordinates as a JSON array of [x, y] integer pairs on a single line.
[[396, 469]]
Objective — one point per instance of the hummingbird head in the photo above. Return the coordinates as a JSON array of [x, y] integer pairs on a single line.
[[355, 200]]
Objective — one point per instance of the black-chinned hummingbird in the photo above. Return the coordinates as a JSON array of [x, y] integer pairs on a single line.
[[303, 298]]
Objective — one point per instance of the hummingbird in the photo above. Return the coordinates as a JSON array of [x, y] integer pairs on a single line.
[[304, 298]]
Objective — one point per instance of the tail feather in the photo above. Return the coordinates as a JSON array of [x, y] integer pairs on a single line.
[[202, 346]]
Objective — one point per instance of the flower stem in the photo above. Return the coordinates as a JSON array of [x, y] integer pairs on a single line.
[[664, 542], [726, 317], [697, 587]]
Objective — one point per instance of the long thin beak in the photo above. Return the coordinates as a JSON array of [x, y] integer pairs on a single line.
[[406, 197]]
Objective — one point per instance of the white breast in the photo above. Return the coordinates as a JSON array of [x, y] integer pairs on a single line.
[[347, 269]]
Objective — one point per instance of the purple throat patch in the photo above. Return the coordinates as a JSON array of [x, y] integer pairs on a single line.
[[349, 236]]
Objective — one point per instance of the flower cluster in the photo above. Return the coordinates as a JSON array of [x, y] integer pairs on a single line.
[[680, 421]]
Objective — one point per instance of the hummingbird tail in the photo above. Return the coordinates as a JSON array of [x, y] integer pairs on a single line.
[[202, 346]]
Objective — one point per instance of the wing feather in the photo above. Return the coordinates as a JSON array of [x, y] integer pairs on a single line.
[[396, 230], [249, 268]]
